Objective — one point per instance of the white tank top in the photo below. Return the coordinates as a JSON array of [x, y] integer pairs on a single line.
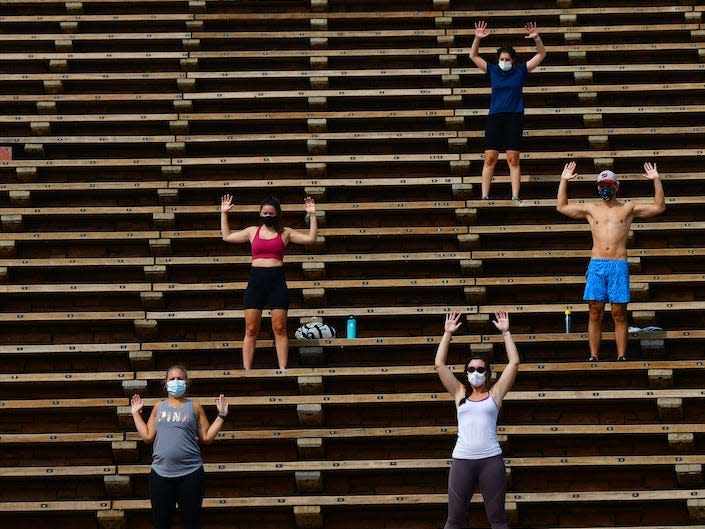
[[477, 429]]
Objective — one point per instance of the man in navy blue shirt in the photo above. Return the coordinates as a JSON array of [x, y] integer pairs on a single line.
[[504, 122]]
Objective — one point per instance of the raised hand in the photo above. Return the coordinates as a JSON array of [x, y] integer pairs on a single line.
[[310, 206], [452, 323], [569, 171], [136, 403], [532, 30], [221, 403], [501, 321], [481, 29], [226, 203], [651, 171]]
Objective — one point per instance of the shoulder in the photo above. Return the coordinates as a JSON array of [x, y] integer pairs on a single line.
[[197, 408], [157, 407]]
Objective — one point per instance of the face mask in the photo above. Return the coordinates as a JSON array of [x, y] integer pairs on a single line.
[[270, 221], [505, 66], [176, 388], [606, 192], [476, 379]]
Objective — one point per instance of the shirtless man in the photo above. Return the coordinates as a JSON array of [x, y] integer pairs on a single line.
[[608, 272]]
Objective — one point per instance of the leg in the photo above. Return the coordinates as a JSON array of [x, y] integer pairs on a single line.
[[190, 491], [618, 288], [493, 485], [253, 317], [281, 340], [514, 172], [621, 337], [488, 171], [163, 499], [597, 312], [461, 484]]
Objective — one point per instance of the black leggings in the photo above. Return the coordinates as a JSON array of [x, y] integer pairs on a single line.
[[186, 490], [464, 476]]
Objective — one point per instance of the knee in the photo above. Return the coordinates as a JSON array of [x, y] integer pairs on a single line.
[[252, 330], [513, 159], [597, 312], [490, 158], [619, 314], [279, 328]]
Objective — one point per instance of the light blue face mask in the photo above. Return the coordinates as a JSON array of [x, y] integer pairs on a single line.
[[176, 388]]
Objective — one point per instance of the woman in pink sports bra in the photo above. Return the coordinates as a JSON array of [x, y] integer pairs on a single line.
[[267, 286]]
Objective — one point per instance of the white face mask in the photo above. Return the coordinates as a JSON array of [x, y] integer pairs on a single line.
[[476, 379], [176, 388], [505, 66]]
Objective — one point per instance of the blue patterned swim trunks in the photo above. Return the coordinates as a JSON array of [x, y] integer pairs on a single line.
[[607, 280]]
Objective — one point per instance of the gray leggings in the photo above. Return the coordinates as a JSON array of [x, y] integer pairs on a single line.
[[464, 476]]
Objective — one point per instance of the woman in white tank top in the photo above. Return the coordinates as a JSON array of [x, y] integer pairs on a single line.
[[477, 457]]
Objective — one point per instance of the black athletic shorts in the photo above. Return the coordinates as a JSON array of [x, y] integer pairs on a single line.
[[267, 287], [504, 131]]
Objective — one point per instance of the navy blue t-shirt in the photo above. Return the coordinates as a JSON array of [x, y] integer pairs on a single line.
[[506, 88]]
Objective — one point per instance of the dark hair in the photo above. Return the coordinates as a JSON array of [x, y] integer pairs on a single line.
[[507, 49], [488, 372], [271, 201]]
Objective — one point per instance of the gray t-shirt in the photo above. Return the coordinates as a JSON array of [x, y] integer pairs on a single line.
[[176, 451]]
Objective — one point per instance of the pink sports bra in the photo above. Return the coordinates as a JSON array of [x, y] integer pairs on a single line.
[[268, 248]]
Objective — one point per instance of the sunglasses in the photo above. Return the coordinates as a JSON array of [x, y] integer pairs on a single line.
[[473, 369]]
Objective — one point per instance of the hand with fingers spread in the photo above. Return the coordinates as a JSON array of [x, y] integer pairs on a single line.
[[532, 30], [651, 171], [501, 321], [453, 322], [481, 29], [569, 171], [226, 203]]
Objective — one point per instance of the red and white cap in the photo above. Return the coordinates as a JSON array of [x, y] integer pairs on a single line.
[[607, 178]]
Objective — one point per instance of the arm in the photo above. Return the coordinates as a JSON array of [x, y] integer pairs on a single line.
[[448, 379], [310, 237], [480, 33], [659, 204], [208, 432], [540, 49], [147, 430], [226, 204], [574, 211], [506, 380]]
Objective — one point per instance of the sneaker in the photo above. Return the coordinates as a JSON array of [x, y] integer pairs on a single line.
[[622, 358], [516, 200], [592, 359], [485, 198]]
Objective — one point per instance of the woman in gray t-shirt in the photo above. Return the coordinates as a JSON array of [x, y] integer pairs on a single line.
[[176, 426]]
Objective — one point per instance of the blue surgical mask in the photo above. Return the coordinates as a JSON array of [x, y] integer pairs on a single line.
[[176, 388], [606, 192], [505, 66]]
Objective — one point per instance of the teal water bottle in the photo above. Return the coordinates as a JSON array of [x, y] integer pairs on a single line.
[[352, 328]]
